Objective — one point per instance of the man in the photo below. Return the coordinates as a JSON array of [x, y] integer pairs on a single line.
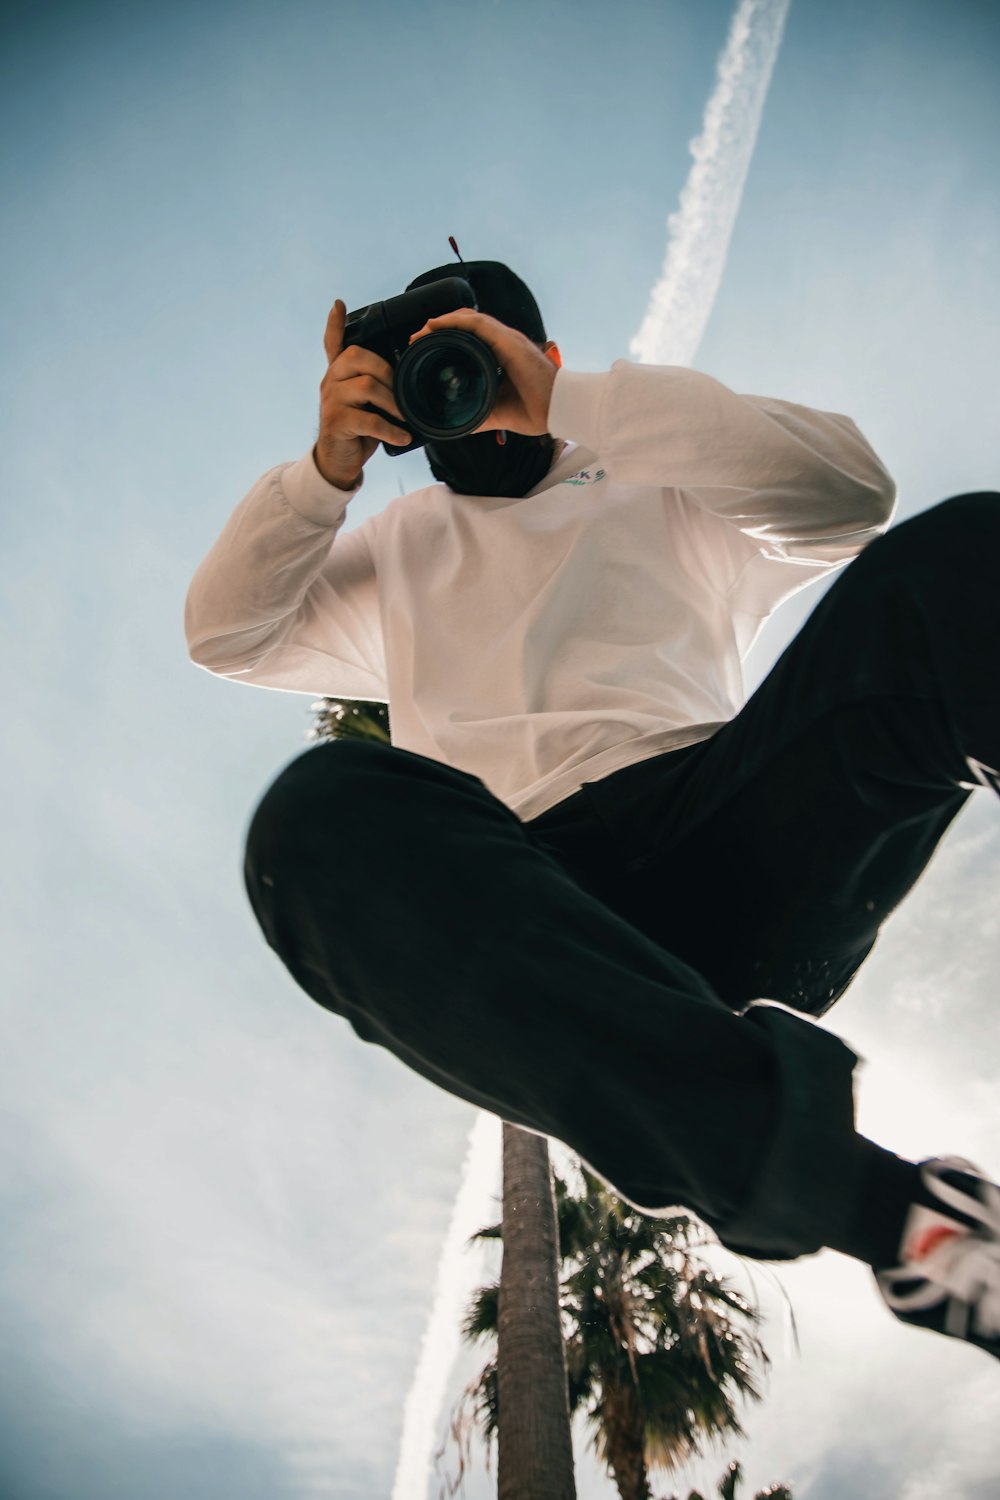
[[589, 888]]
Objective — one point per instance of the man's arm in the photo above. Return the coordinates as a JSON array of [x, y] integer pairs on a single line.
[[802, 481], [282, 600], [275, 602]]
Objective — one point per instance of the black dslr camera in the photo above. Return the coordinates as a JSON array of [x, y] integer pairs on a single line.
[[446, 383]]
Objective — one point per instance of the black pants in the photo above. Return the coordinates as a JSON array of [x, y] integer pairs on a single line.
[[588, 974]]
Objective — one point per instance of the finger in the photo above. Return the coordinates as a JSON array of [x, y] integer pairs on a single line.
[[491, 330], [356, 360], [333, 338], [367, 387], [380, 427], [357, 394], [370, 379]]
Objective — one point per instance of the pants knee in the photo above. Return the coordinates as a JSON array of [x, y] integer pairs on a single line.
[[320, 794], [963, 524], [943, 548], [979, 508], [374, 801]]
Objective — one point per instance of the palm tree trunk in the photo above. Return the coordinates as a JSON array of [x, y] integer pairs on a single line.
[[534, 1445]]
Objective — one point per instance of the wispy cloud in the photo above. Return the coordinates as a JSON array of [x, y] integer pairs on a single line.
[[457, 1273], [698, 233]]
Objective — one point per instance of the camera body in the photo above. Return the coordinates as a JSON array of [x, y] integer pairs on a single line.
[[446, 383]]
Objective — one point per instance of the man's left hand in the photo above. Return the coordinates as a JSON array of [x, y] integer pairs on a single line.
[[522, 403]]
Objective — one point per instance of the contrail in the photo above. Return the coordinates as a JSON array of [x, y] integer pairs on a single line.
[[680, 304], [458, 1272], [698, 234]]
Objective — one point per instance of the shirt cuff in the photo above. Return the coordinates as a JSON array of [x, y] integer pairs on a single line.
[[575, 406], [312, 496]]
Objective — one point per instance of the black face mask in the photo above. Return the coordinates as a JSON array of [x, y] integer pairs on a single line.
[[479, 465]]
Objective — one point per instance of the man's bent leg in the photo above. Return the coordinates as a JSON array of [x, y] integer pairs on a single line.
[[403, 895], [771, 855]]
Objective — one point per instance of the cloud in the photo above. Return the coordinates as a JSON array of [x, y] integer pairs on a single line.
[[699, 232], [458, 1274]]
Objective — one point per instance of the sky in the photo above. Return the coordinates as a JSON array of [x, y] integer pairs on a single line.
[[222, 1214]]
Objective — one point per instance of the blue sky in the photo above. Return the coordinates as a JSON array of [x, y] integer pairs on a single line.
[[222, 1214]]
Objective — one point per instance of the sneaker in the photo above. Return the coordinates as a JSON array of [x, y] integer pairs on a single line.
[[949, 1272]]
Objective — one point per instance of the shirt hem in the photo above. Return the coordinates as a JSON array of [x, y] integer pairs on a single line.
[[540, 799]]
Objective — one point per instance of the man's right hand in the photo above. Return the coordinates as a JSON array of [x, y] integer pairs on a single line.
[[349, 435]]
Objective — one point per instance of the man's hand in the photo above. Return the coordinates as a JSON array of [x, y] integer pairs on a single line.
[[349, 435], [522, 403]]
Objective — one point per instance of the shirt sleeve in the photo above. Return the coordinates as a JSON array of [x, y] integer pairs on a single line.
[[283, 599], [798, 485]]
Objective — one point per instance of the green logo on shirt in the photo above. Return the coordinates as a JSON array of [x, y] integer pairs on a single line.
[[585, 476]]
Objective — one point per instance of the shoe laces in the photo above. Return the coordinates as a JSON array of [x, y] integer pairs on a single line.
[[965, 1268]]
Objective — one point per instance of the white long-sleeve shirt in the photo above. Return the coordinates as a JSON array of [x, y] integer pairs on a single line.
[[543, 642]]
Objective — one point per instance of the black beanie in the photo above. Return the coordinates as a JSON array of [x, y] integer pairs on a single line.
[[499, 293]]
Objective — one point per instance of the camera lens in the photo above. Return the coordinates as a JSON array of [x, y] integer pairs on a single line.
[[446, 383]]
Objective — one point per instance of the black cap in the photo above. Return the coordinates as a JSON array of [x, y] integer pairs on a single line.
[[499, 293]]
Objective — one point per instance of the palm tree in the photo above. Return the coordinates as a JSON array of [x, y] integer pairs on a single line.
[[534, 1443], [659, 1349], [350, 719]]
